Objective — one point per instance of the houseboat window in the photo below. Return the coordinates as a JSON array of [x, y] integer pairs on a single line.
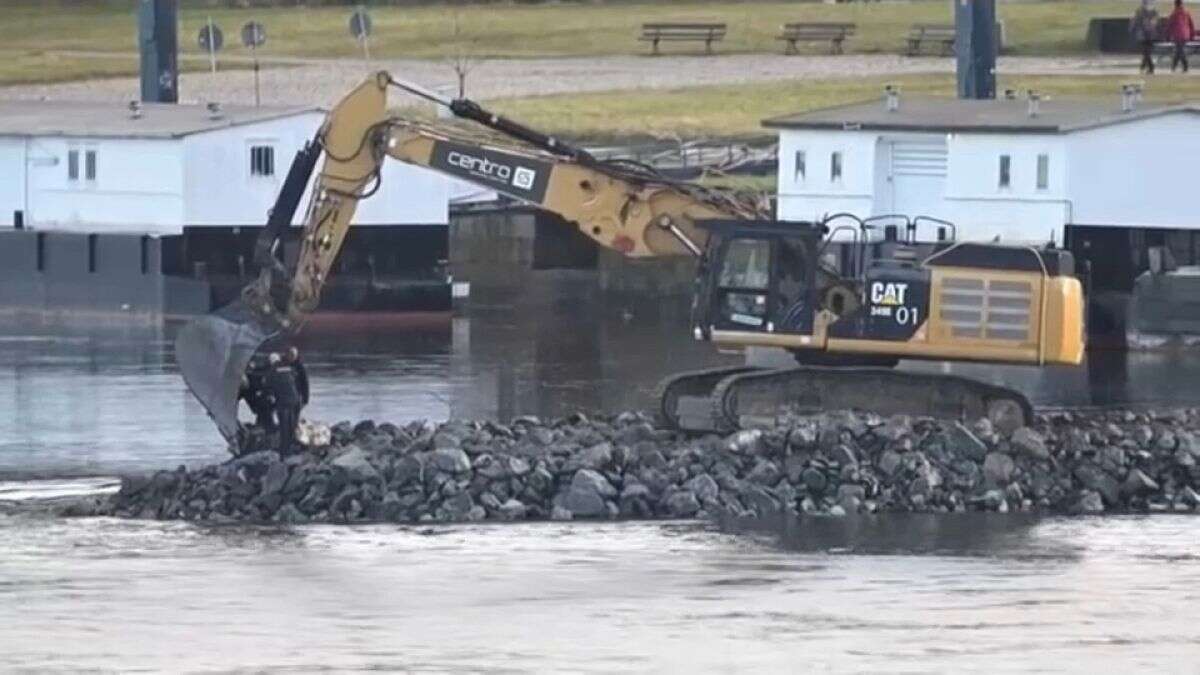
[[1043, 172], [262, 160], [801, 166], [1005, 171], [73, 165], [747, 264], [89, 165], [835, 167]]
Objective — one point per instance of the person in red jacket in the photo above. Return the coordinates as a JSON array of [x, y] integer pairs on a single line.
[[1180, 30]]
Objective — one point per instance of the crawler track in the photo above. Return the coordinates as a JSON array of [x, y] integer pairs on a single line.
[[683, 399], [742, 396]]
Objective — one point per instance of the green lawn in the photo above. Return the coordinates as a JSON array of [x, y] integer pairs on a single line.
[[28, 30], [736, 111]]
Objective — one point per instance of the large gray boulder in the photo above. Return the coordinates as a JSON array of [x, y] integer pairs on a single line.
[[1137, 484], [597, 457], [961, 442], [682, 504], [704, 487], [587, 495], [593, 481], [1093, 477], [765, 472], [275, 479], [356, 465], [410, 469], [998, 468], [1030, 443], [763, 502], [451, 460], [513, 509], [457, 508]]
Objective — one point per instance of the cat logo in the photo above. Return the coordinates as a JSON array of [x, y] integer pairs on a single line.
[[888, 293]]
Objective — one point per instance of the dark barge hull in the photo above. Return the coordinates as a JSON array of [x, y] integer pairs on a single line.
[[383, 269]]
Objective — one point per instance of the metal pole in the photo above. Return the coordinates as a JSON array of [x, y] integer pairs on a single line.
[[257, 99], [212, 51], [976, 48]]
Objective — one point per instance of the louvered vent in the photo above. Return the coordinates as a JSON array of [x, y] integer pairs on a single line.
[[996, 310]]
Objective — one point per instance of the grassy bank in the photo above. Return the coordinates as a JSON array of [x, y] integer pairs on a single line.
[[736, 111], [30, 32]]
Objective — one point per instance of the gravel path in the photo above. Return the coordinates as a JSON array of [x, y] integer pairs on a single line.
[[321, 82]]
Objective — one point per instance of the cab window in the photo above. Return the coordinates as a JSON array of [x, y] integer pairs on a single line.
[[747, 264]]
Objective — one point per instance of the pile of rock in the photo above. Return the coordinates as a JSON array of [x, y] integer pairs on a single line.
[[625, 467]]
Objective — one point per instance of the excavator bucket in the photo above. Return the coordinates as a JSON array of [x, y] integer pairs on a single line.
[[213, 352]]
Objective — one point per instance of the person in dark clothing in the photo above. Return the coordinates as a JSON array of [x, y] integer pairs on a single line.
[[1180, 31], [282, 383], [254, 391], [293, 356], [256, 395], [1144, 29]]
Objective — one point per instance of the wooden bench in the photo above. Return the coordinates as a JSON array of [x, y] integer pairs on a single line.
[[923, 33], [1165, 50], [833, 33], [708, 33]]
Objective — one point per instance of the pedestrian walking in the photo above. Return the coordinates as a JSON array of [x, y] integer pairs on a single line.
[[1144, 29], [1180, 31]]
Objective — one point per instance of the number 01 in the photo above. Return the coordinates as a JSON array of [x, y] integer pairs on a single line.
[[906, 315]]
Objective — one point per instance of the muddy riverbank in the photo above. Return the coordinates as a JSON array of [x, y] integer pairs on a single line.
[[624, 467]]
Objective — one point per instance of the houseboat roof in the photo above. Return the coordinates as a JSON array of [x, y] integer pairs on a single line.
[[1003, 115], [115, 120]]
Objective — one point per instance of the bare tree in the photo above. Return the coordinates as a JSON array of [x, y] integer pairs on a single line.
[[462, 57]]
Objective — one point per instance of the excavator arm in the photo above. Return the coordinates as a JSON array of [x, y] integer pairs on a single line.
[[626, 208], [623, 206]]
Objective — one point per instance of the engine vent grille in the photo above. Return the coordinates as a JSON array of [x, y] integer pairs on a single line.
[[989, 309]]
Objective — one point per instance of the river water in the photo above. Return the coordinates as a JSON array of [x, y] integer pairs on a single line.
[[895, 594]]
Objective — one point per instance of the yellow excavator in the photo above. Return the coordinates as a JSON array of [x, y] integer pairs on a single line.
[[847, 301]]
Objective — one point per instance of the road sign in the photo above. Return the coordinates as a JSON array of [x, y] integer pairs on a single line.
[[254, 35], [211, 38], [360, 24]]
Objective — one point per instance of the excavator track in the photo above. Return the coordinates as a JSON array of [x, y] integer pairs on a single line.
[[757, 397], [683, 401], [725, 399]]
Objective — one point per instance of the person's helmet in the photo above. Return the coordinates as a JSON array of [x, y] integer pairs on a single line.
[[274, 358]]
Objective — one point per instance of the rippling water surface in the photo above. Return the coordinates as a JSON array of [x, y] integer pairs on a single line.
[[899, 594], [1086, 595]]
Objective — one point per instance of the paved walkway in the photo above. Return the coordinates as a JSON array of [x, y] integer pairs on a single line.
[[321, 82]]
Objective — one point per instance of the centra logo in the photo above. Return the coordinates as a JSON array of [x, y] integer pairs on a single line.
[[479, 165]]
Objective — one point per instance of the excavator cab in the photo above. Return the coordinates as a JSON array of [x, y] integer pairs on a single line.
[[758, 277]]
